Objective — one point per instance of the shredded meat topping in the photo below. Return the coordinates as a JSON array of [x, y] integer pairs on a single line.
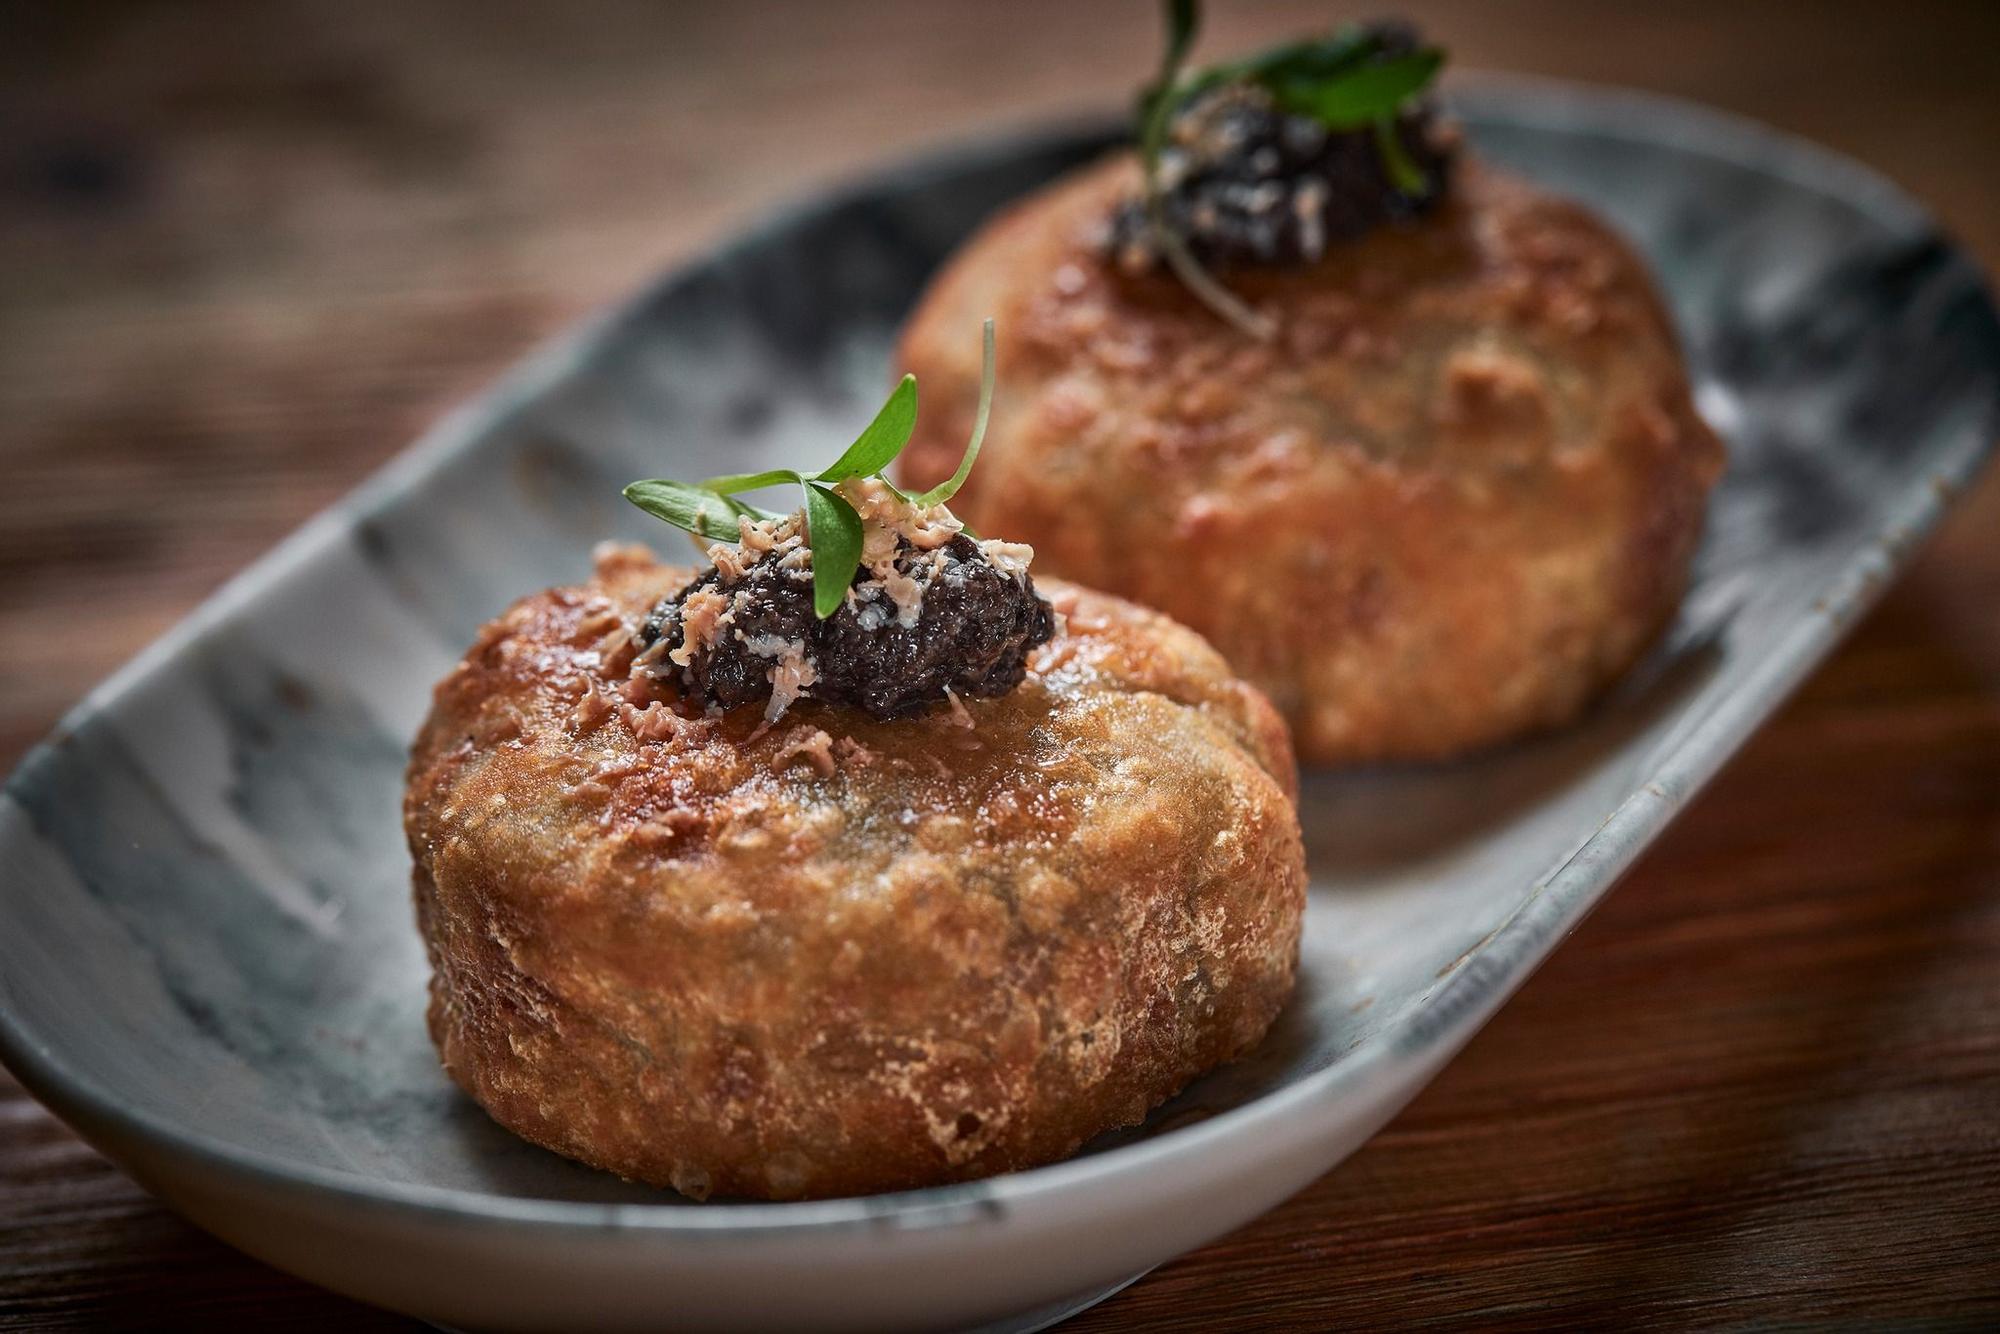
[[930, 616], [1245, 183]]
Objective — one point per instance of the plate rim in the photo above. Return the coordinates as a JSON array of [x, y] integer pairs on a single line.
[[1454, 1011]]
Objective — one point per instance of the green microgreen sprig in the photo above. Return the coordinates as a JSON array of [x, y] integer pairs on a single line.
[[1158, 104], [711, 509], [1342, 80]]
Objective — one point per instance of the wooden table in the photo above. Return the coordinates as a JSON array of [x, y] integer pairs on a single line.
[[247, 251]]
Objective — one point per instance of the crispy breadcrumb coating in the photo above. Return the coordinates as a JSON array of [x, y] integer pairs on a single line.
[[836, 955], [1447, 504]]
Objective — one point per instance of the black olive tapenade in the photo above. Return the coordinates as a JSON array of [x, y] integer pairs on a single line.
[[1244, 183], [969, 631]]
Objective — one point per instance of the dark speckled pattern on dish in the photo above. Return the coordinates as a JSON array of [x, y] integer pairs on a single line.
[[206, 924]]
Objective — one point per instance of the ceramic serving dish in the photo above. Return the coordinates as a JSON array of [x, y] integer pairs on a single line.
[[207, 958]]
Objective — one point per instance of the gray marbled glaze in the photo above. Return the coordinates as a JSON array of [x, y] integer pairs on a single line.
[[207, 957]]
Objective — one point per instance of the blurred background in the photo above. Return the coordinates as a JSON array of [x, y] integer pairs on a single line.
[[248, 250]]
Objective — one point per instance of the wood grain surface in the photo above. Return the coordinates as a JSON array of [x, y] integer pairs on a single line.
[[248, 250]]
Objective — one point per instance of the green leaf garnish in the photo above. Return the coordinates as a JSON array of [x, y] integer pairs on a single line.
[[731, 483], [1335, 80], [1365, 95], [710, 509], [833, 530], [1183, 22], [948, 488], [882, 439], [701, 511], [1406, 175], [1157, 107], [1294, 68]]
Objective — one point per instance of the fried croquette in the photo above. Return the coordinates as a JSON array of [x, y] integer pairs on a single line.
[[838, 955], [1451, 499]]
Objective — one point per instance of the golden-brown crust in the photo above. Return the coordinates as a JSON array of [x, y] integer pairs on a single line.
[[1454, 498], [842, 956]]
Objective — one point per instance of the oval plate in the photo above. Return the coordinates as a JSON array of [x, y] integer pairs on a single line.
[[207, 957]]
